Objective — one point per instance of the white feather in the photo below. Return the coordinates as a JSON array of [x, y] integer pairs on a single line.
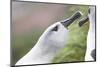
[[47, 46], [91, 35]]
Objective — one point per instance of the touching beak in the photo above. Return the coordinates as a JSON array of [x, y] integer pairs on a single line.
[[71, 19], [84, 20]]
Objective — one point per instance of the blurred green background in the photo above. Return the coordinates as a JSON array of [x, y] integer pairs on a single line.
[[29, 21]]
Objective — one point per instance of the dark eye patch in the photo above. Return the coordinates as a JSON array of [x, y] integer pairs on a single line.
[[55, 28]]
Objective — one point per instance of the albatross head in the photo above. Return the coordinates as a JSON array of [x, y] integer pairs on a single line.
[[57, 33]]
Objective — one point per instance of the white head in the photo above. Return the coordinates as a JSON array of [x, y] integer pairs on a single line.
[[57, 33], [91, 14]]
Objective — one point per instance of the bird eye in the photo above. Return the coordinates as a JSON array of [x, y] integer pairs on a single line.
[[55, 28]]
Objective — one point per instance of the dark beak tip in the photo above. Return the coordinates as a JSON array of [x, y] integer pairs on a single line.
[[80, 25], [84, 20], [80, 13]]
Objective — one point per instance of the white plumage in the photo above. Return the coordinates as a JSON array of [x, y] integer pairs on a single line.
[[47, 46], [51, 41], [91, 35]]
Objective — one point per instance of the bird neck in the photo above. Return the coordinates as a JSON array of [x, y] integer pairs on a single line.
[[90, 39], [92, 26], [43, 52], [91, 35]]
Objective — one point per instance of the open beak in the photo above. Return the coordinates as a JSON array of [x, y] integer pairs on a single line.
[[84, 20], [71, 19]]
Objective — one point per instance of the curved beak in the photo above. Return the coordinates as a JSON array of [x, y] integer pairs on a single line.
[[71, 19], [84, 20]]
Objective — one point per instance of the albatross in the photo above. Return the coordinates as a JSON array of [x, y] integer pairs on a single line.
[[50, 42], [90, 50]]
